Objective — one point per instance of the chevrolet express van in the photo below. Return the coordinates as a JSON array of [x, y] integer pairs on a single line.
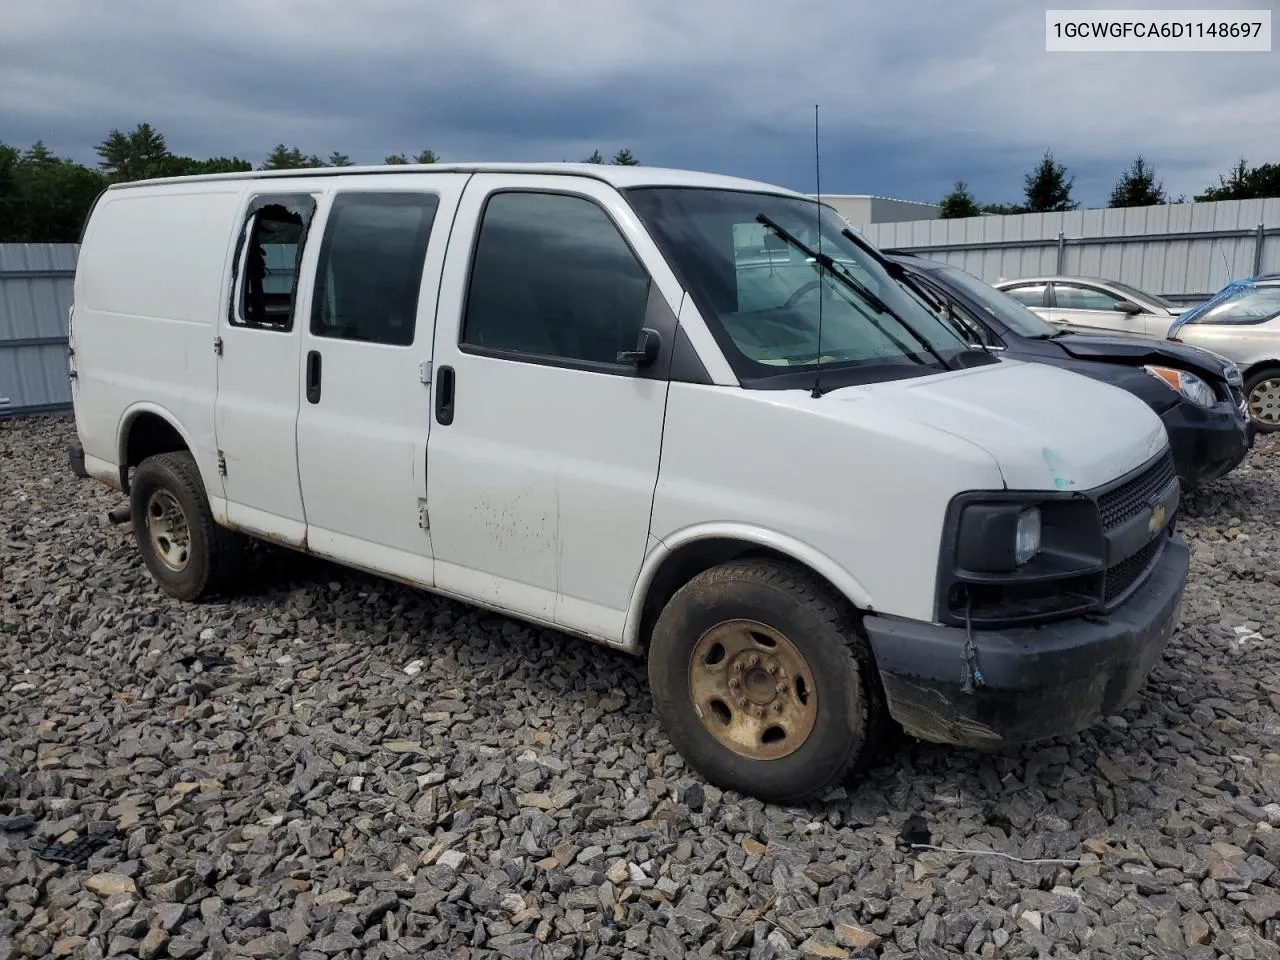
[[683, 415]]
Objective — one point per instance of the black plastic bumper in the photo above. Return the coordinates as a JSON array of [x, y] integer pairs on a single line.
[[1036, 682], [75, 454], [1207, 444]]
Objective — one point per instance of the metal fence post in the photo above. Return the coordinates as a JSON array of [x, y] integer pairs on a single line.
[[1258, 243], [1062, 253]]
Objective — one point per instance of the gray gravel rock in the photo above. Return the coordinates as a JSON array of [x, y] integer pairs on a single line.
[[332, 765]]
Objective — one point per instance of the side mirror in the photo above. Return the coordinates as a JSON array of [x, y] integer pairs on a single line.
[[648, 343], [1129, 307]]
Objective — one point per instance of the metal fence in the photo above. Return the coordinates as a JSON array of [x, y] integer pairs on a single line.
[[35, 294], [1185, 252]]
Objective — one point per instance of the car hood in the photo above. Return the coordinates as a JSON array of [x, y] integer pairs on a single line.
[[1045, 427], [1142, 350]]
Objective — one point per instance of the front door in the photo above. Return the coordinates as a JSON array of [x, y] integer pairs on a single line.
[[544, 455], [1094, 310], [364, 409], [257, 402]]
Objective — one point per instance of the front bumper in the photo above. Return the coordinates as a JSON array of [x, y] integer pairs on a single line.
[[1036, 682], [1206, 443]]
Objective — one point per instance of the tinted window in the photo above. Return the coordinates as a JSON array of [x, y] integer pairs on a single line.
[[1031, 295], [267, 261], [1247, 305], [553, 277], [370, 270], [1068, 297], [1002, 306], [1137, 294], [766, 299]]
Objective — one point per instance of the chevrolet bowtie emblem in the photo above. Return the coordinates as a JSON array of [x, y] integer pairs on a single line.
[[1157, 518]]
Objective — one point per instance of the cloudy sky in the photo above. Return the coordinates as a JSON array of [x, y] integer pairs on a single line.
[[913, 95]]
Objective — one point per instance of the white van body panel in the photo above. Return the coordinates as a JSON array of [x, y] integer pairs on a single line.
[[784, 468], [555, 494], [148, 291]]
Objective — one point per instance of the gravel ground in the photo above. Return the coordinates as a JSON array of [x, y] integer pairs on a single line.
[[337, 766]]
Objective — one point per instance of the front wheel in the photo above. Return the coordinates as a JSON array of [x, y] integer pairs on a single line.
[[1262, 399], [764, 683], [186, 552]]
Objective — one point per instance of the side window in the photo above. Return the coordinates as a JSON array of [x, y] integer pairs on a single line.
[[1030, 295], [1083, 298], [267, 261], [370, 270], [552, 277]]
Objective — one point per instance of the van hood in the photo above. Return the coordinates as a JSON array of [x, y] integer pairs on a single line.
[[1045, 427]]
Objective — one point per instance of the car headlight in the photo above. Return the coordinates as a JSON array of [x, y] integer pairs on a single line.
[[1186, 384], [1026, 536]]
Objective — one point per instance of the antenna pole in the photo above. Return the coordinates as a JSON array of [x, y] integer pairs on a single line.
[[817, 176]]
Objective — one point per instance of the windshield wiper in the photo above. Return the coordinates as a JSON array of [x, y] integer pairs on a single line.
[[858, 287]]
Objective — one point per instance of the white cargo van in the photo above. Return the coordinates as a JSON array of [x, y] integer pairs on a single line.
[[591, 397]]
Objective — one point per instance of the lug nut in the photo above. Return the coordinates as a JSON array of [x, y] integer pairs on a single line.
[[771, 667], [759, 711], [781, 688], [777, 707], [741, 701], [735, 682], [737, 667], [753, 659]]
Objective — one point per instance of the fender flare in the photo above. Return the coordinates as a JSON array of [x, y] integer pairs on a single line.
[[128, 416], [798, 551]]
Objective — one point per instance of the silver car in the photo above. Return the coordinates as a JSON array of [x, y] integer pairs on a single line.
[[1088, 304], [1242, 323]]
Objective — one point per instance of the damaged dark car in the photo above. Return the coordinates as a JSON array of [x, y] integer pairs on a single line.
[[1198, 394]]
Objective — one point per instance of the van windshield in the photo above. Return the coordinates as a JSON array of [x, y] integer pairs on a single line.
[[761, 295]]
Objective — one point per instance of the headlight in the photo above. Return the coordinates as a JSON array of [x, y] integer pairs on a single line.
[[1026, 537], [1186, 384]]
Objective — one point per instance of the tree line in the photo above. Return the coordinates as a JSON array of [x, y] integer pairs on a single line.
[[45, 198], [1047, 189]]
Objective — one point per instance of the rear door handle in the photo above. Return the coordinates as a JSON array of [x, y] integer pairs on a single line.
[[313, 376], [444, 396]]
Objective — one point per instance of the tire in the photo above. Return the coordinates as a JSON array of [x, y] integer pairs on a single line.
[[832, 733], [213, 555], [1270, 375]]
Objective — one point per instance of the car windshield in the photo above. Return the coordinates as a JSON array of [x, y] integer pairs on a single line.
[[995, 302], [1143, 295], [1245, 305], [763, 296]]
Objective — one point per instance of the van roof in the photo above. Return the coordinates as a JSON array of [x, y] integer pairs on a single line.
[[618, 175]]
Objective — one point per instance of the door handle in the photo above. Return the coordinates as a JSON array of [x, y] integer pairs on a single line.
[[444, 396], [313, 376]]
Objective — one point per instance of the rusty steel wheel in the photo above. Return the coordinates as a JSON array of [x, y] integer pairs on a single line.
[[752, 689], [764, 681], [188, 555]]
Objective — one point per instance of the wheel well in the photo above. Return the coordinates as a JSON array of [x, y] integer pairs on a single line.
[[688, 561], [148, 434], [1259, 367]]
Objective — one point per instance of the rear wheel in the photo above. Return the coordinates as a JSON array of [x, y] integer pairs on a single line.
[[1262, 399], [764, 683], [185, 551]]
